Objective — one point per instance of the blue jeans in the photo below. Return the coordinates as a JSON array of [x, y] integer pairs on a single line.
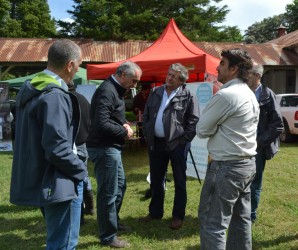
[[159, 159], [225, 204], [256, 185], [111, 186], [63, 223]]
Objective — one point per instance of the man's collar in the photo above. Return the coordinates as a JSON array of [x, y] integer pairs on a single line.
[[58, 78], [231, 82]]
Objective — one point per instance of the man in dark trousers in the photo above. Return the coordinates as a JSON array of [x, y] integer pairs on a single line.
[[269, 128], [87, 204], [169, 125]]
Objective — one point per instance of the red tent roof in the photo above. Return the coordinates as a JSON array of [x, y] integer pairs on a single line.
[[171, 47]]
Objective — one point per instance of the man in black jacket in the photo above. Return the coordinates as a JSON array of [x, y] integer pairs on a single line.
[[270, 127], [87, 204], [169, 124], [107, 135]]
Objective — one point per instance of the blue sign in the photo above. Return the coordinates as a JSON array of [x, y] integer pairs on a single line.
[[204, 92]]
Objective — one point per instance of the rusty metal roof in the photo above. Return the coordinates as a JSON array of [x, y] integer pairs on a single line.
[[280, 51], [289, 40], [116, 51], [35, 50], [264, 54]]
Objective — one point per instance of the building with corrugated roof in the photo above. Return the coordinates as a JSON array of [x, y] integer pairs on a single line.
[[279, 56]]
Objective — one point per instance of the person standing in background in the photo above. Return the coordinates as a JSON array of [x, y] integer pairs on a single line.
[[230, 122], [46, 173], [87, 204], [138, 106], [269, 129], [105, 141]]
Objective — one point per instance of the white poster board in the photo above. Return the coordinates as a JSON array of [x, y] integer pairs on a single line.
[[203, 92], [87, 90]]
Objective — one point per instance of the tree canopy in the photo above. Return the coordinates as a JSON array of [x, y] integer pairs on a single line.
[[26, 18], [266, 30], [199, 20], [292, 16]]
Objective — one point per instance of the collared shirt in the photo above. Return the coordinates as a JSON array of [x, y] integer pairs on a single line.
[[159, 129], [230, 122], [114, 78], [258, 91], [58, 78]]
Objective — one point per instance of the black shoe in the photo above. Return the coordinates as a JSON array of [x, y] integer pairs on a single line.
[[148, 193], [82, 221], [88, 201], [117, 243]]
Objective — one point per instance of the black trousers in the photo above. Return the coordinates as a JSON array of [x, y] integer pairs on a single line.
[[159, 159]]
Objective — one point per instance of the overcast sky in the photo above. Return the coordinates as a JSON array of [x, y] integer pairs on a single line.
[[243, 13]]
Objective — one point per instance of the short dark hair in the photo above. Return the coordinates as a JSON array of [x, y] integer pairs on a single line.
[[241, 59], [61, 52]]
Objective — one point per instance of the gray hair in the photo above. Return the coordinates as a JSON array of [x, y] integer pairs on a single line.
[[63, 51], [258, 69], [129, 68], [181, 69]]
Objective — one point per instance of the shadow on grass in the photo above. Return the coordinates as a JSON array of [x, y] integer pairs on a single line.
[[159, 229], [15, 209], [24, 228], [13, 241], [22, 233], [275, 242]]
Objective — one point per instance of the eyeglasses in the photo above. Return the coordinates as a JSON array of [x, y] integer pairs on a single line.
[[170, 75], [135, 81], [129, 77]]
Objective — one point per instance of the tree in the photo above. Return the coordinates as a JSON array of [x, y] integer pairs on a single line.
[[265, 30], [26, 18], [145, 20], [8, 27], [292, 16]]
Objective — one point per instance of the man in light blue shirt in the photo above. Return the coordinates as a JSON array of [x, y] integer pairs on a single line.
[[230, 122]]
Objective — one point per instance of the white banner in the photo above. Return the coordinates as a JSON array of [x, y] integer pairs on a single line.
[[203, 92]]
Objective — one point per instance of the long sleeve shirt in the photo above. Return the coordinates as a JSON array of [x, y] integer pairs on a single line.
[[230, 122]]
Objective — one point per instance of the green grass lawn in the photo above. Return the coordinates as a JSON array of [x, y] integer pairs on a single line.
[[276, 228]]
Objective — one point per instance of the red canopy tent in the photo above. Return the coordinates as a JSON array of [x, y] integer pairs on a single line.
[[171, 47]]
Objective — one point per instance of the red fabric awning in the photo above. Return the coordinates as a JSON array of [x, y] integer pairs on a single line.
[[171, 47]]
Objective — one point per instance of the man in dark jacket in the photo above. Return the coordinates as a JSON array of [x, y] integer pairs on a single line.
[[46, 172], [270, 127], [87, 204], [107, 135], [169, 125]]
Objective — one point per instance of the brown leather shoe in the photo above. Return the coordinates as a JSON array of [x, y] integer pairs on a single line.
[[147, 218], [176, 224], [117, 243], [123, 228]]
